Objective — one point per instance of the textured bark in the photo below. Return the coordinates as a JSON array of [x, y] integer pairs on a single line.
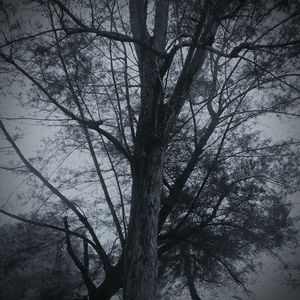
[[141, 246], [141, 254]]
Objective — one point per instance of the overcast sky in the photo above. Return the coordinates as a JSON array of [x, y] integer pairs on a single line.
[[270, 281]]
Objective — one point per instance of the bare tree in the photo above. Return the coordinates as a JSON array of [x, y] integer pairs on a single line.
[[162, 97]]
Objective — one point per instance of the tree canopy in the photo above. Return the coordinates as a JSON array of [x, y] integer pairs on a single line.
[[153, 159]]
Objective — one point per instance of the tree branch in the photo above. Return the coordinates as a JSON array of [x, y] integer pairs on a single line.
[[83, 270], [183, 177], [161, 24], [188, 274], [45, 225], [65, 200], [91, 124], [90, 145]]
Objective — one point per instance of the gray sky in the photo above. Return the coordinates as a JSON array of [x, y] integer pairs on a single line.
[[270, 282]]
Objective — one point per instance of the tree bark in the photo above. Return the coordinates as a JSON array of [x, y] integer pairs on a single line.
[[141, 247]]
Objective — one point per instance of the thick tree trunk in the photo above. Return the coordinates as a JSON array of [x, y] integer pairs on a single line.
[[141, 247]]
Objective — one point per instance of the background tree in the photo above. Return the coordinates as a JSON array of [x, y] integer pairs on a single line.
[[156, 153], [35, 264]]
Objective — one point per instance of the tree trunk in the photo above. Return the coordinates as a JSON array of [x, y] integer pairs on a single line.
[[141, 248]]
